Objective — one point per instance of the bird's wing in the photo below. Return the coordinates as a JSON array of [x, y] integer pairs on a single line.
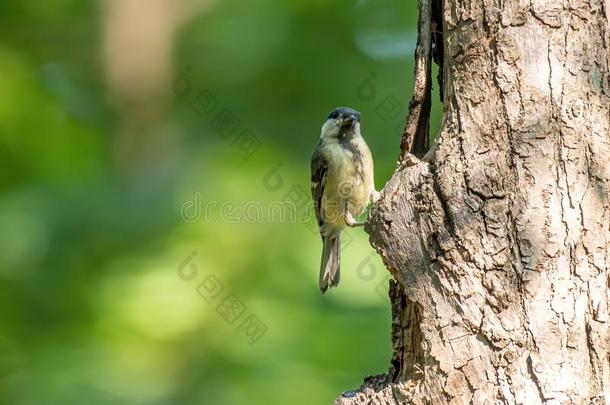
[[319, 168]]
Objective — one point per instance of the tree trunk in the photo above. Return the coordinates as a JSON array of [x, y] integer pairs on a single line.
[[499, 239]]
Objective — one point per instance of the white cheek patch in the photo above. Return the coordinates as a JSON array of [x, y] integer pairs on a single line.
[[329, 129]]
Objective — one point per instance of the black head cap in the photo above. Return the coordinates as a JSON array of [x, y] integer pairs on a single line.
[[345, 113]]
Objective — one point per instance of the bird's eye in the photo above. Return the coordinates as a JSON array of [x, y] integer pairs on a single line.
[[334, 115]]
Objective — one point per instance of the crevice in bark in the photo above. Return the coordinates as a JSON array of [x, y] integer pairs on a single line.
[[534, 377], [408, 357], [416, 135], [438, 45], [430, 48]]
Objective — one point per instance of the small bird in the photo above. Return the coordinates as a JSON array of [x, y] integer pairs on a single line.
[[342, 185]]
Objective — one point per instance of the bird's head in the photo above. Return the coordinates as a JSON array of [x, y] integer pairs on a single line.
[[341, 122]]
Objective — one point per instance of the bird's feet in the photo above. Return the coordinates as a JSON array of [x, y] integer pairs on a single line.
[[375, 196], [350, 221]]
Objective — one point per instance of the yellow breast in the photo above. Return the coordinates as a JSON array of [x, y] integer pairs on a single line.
[[349, 183]]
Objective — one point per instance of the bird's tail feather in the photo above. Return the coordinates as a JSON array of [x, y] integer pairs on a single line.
[[329, 268]]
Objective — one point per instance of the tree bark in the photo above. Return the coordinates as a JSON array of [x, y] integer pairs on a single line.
[[499, 241]]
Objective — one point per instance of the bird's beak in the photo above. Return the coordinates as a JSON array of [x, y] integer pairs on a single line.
[[349, 120]]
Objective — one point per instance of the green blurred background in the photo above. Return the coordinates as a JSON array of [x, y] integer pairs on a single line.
[[145, 148]]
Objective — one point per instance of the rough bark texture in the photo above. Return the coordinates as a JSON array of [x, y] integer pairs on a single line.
[[500, 242]]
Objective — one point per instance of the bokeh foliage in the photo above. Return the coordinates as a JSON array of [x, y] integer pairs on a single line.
[[93, 308]]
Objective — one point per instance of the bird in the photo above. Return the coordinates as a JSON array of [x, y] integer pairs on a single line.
[[342, 185]]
